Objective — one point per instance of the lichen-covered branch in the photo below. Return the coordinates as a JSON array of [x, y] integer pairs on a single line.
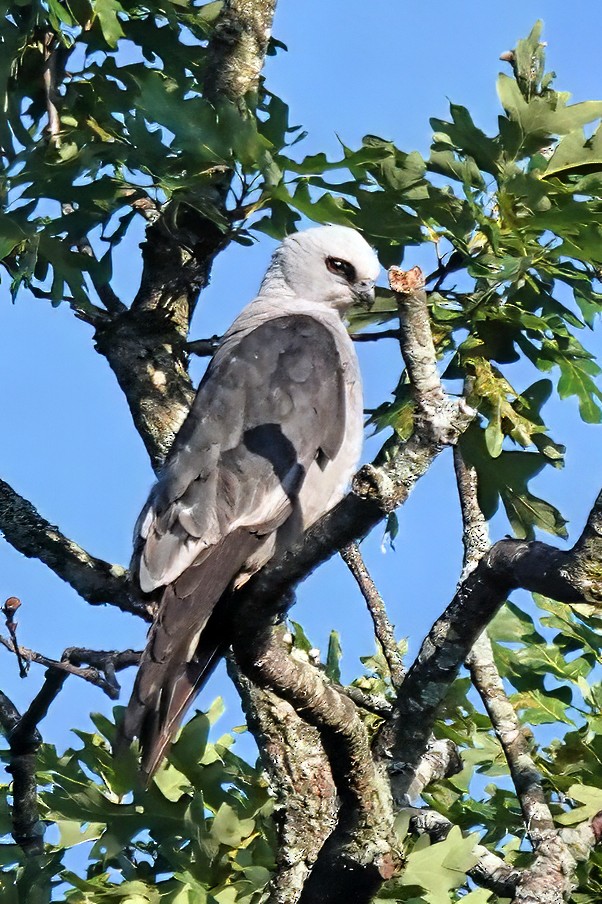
[[486, 678], [510, 564], [361, 852], [439, 760], [488, 683], [416, 338], [526, 778], [95, 580], [301, 778], [475, 530], [237, 49], [554, 865]]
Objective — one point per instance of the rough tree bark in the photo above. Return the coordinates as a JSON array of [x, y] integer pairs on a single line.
[[145, 344]]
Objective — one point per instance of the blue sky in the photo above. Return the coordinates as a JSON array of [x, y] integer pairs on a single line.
[[67, 441]]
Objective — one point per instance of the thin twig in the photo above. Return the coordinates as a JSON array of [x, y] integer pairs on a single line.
[[109, 298], [83, 309], [10, 607], [102, 664], [204, 348], [383, 628], [373, 337], [50, 79]]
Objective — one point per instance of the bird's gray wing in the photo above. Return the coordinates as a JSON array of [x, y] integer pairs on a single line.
[[271, 404], [267, 407]]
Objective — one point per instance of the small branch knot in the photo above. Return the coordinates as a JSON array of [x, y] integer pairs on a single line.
[[442, 419], [229, 30], [375, 484]]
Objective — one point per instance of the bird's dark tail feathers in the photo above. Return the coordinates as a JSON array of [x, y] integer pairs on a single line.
[[184, 645]]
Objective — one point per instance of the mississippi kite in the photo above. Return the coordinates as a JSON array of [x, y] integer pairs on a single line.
[[271, 442]]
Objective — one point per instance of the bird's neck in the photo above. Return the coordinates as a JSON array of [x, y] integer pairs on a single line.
[[274, 283]]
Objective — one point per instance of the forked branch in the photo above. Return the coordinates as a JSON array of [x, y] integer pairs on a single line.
[[98, 667]]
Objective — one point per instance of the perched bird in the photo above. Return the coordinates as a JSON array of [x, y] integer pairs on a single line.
[[271, 441]]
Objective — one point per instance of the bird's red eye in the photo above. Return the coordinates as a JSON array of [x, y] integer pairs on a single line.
[[341, 268]]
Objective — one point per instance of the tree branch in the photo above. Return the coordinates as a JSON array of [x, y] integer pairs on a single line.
[[96, 581], [489, 872], [103, 664], [300, 776], [475, 532], [554, 865], [527, 780], [372, 703], [439, 760], [383, 628], [374, 337], [487, 680], [571, 576], [237, 49], [361, 852], [146, 345], [24, 740], [204, 348], [83, 309]]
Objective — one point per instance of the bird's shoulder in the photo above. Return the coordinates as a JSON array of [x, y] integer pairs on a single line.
[[281, 324]]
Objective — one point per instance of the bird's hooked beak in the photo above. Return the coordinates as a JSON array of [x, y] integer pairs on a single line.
[[364, 293]]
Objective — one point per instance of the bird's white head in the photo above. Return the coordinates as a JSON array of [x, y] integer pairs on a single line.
[[333, 265]]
